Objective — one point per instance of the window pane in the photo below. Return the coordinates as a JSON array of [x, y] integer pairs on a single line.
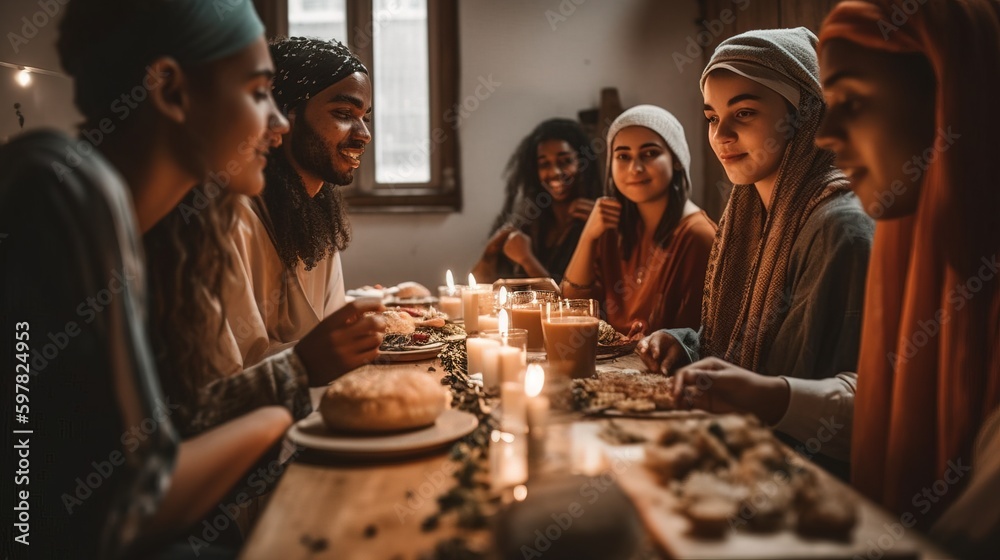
[[402, 92], [323, 19]]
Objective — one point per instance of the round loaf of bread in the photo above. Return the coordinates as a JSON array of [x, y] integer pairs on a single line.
[[383, 401]]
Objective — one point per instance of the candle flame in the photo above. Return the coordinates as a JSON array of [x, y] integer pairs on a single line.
[[507, 437], [502, 298], [472, 281], [534, 379], [450, 280], [495, 435], [520, 492], [502, 322]]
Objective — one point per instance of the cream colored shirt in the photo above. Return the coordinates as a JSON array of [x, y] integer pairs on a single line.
[[270, 308]]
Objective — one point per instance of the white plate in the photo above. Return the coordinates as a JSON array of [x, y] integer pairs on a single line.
[[413, 354], [453, 424]]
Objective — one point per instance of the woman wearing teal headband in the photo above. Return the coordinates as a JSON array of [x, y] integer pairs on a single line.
[[172, 91]]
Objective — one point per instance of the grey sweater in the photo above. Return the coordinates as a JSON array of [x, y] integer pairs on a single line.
[[820, 335]]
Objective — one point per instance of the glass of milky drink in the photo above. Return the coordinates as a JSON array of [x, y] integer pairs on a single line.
[[570, 327], [525, 310]]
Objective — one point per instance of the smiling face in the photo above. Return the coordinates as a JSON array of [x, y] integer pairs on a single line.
[[557, 169], [331, 133], [745, 128], [233, 118], [642, 165], [879, 122]]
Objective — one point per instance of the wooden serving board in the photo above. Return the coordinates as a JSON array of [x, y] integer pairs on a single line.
[[877, 534]]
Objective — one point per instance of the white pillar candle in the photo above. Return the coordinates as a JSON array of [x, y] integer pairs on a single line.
[[451, 306], [510, 364], [474, 348], [513, 407], [491, 368], [537, 414], [508, 460], [488, 322]]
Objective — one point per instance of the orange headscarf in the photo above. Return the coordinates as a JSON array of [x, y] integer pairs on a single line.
[[929, 371]]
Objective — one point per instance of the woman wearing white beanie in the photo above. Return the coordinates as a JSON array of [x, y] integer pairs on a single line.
[[644, 249]]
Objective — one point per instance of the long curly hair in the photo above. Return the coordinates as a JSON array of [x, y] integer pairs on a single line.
[[304, 227], [188, 258], [524, 195]]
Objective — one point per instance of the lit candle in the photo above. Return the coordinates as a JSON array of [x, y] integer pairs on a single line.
[[475, 348], [470, 304], [488, 323], [449, 300], [537, 413], [508, 460]]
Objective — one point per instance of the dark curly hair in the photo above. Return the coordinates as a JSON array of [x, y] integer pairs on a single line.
[[304, 227], [524, 194]]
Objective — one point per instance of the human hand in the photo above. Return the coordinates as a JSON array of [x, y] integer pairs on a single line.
[[661, 352], [499, 238], [518, 247], [346, 340], [718, 386], [581, 208], [603, 217]]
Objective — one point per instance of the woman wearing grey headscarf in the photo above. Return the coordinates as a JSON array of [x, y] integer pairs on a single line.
[[785, 284]]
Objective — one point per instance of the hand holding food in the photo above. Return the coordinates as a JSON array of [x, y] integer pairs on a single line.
[[661, 352], [346, 340], [718, 386]]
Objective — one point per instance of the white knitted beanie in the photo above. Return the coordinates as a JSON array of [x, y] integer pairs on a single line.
[[660, 121]]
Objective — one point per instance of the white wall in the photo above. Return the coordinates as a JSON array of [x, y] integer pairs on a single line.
[[543, 73], [48, 101], [546, 67]]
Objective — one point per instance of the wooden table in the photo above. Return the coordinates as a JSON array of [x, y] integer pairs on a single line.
[[326, 509]]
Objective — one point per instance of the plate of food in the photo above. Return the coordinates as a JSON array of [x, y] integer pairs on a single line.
[[612, 344], [382, 413], [416, 334], [625, 393]]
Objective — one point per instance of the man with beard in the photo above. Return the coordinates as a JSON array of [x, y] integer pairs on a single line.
[[288, 240]]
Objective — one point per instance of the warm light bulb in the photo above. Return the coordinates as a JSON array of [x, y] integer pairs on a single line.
[[24, 77], [502, 322], [534, 380], [472, 281], [450, 280]]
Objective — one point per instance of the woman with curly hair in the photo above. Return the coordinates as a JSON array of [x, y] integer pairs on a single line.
[[552, 181], [197, 85]]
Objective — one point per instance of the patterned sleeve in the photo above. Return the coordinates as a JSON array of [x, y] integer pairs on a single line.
[[280, 379]]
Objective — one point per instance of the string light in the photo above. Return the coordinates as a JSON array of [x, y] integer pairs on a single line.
[[24, 77]]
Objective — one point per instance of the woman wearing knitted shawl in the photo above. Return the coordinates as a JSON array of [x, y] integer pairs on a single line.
[[785, 283], [909, 122]]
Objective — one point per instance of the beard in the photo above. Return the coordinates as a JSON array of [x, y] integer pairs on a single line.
[[316, 155], [304, 228]]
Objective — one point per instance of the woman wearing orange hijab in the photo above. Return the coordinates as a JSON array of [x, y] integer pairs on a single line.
[[908, 118]]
